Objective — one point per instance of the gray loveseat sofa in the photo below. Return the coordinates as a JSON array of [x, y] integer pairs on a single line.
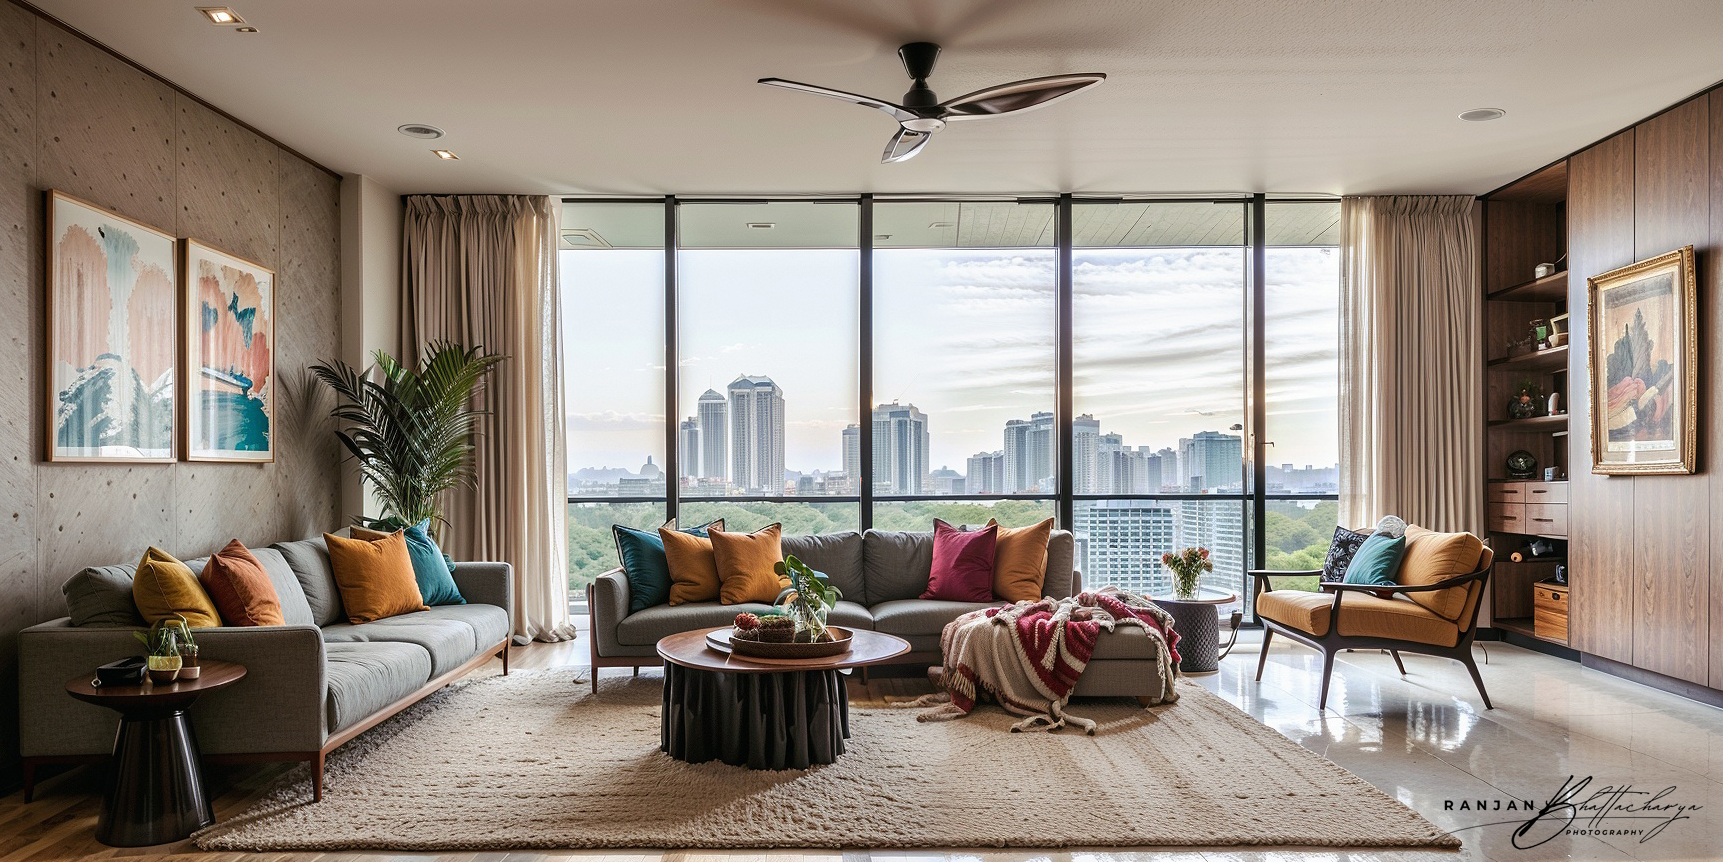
[[310, 685], [882, 575]]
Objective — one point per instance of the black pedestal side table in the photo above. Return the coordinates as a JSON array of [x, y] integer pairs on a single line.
[[155, 794], [1198, 623]]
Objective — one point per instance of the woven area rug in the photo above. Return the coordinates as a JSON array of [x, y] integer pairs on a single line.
[[534, 760]]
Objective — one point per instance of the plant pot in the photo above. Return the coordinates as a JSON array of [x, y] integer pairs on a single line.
[[189, 668], [164, 668]]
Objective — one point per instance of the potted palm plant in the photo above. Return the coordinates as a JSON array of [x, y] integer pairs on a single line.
[[409, 429]]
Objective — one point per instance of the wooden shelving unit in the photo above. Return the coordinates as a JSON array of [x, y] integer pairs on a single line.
[[1525, 224]]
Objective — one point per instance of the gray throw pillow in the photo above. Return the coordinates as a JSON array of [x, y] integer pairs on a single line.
[[102, 596], [1391, 526]]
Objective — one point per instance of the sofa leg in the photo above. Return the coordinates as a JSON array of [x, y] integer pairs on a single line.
[[637, 670], [1327, 674], [1477, 680], [317, 776], [29, 779], [505, 656], [1396, 654], [1145, 700], [1262, 661], [594, 670]]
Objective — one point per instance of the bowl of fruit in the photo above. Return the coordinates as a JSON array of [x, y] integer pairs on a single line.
[[775, 636]]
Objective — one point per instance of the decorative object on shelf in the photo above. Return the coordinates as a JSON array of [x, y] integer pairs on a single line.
[[808, 599], [1539, 548], [1521, 465], [229, 356], [1540, 333], [161, 643], [1560, 574], [1522, 346], [410, 429], [1553, 406], [131, 670], [188, 662], [1543, 270], [1643, 357], [1553, 474], [1525, 405], [1558, 331], [1187, 567], [112, 327]]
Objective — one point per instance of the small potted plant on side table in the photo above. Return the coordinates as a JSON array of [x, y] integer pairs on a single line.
[[161, 645]]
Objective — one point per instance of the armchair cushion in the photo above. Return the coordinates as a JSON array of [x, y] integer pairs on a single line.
[[1432, 557], [1361, 615]]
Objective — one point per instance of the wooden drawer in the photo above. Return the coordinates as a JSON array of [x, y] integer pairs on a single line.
[[1546, 492], [1507, 492], [1546, 519], [1507, 517], [1549, 611]]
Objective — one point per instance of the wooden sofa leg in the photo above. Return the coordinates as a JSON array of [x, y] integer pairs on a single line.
[[1327, 674], [29, 779], [637, 670], [505, 656], [1396, 654], [1261, 662], [317, 776], [1477, 680], [594, 679]]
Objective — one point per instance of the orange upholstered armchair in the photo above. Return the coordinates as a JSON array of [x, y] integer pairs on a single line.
[[1433, 611]]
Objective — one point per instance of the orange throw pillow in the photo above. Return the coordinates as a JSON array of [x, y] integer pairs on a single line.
[[1020, 561], [747, 565], [165, 589], [240, 588], [375, 577], [693, 569]]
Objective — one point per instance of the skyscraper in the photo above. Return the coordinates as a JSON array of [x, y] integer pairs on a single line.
[[757, 435], [1085, 452], [1029, 448], [1210, 460], [900, 449], [1120, 543], [852, 451], [688, 447], [986, 473], [712, 412]]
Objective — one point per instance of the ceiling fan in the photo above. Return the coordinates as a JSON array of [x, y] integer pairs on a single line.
[[921, 113]]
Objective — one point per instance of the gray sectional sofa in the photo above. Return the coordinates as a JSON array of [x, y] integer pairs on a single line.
[[882, 575], [310, 685]]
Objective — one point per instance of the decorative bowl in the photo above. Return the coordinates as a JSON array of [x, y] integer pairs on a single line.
[[839, 644]]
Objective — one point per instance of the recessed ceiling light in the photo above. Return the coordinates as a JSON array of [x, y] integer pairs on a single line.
[[762, 225], [1479, 115], [445, 155], [423, 131], [939, 225], [222, 15], [245, 30]]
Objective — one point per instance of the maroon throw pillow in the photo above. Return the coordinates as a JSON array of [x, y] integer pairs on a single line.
[[962, 564]]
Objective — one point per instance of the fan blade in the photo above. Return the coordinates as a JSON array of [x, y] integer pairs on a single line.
[[903, 145], [897, 112], [1018, 96]]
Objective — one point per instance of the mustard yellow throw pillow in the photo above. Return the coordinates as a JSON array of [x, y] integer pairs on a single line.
[[1020, 561], [747, 565], [693, 569], [165, 589], [375, 577]]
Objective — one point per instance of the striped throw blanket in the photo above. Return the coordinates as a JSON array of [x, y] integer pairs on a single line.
[[1029, 655]]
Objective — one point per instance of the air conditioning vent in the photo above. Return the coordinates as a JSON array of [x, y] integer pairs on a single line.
[[578, 238], [421, 131]]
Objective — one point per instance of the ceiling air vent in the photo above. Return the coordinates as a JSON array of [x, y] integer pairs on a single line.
[[420, 130], [576, 238]]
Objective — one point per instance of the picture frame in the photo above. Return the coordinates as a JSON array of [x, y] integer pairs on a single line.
[[1642, 358], [111, 303], [228, 356]]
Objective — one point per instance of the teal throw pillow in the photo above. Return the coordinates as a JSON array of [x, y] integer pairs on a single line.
[[431, 567], [1377, 561], [644, 563]]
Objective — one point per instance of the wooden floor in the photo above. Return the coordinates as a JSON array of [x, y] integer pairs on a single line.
[[60, 824]]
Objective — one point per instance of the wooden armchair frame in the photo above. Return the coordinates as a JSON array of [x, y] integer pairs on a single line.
[[1333, 642]]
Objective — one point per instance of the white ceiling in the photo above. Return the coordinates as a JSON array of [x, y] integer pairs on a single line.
[[657, 96]]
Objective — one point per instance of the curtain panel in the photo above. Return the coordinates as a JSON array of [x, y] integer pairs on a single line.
[[1411, 441], [480, 270]]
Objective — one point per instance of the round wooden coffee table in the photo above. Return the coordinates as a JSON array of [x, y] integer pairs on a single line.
[[156, 792], [760, 713]]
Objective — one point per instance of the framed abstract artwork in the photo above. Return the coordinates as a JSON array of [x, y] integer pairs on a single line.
[[229, 356], [1644, 361], [113, 336]]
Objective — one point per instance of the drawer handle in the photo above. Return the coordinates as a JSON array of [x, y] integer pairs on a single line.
[[1505, 493], [1544, 520], [1540, 491]]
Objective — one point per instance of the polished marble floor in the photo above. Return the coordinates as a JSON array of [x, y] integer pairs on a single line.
[[1424, 739]]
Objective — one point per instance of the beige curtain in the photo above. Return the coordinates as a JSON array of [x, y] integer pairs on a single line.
[[481, 270], [1410, 371]]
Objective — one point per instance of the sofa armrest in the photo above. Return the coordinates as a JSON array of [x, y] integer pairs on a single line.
[[607, 601], [487, 584], [285, 681]]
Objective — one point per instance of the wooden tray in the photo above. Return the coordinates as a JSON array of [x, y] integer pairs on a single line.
[[721, 641]]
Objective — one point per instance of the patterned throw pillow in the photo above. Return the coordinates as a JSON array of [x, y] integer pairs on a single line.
[[1390, 526], [1340, 553]]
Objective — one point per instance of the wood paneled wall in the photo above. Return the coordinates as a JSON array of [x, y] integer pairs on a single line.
[[77, 118], [1647, 561]]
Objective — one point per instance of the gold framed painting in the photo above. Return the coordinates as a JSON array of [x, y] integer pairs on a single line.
[[1643, 358], [229, 356], [113, 336]]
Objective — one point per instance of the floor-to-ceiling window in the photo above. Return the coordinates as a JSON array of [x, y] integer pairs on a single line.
[[844, 363]]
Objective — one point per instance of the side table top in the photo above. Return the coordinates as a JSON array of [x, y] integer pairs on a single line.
[[215, 674], [1200, 599], [689, 649]]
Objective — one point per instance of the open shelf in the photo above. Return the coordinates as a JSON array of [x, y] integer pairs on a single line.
[[1550, 288], [1521, 625], [1547, 359], [1557, 422]]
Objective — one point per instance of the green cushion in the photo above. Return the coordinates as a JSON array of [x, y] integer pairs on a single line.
[[430, 568], [643, 562], [1377, 561]]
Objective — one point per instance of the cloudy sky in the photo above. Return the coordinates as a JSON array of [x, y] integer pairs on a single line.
[[965, 335]]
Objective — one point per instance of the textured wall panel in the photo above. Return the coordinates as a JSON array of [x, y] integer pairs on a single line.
[[309, 331], [229, 184], [19, 606]]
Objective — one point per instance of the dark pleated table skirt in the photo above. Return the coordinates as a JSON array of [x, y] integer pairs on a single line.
[[789, 720]]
